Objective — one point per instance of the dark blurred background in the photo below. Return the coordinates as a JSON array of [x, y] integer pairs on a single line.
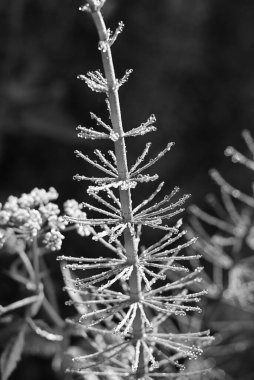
[[193, 64]]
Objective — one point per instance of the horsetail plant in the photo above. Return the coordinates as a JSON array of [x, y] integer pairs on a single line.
[[226, 240], [229, 248], [126, 296]]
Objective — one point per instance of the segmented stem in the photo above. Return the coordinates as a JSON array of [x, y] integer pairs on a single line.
[[123, 173]]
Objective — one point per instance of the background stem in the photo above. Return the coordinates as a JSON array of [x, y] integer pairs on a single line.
[[36, 264]]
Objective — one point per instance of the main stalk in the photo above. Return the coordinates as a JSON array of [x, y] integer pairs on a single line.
[[123, 173]]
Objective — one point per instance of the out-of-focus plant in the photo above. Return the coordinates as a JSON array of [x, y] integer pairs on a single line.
[[226, 242], [123, 293], [31, 226]]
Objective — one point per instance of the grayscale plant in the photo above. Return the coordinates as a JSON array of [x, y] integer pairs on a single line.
[[226, 237], [229, 247], [31, 226], [123, 292]]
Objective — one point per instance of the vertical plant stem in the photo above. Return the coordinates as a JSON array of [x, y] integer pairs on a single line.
[[36, 264], [52, 313], [49, 286], [125, 195], [25, 260]]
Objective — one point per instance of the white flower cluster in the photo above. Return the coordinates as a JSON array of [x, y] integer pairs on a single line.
[[53, 240], [33, 215], [73, 209]]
